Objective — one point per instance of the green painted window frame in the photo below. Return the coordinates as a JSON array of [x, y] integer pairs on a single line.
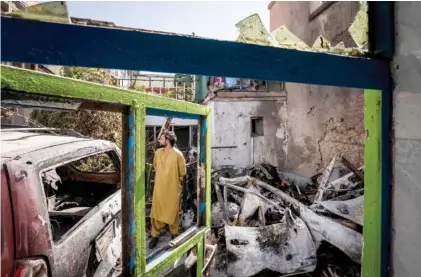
[[22, 80], [373, 185]]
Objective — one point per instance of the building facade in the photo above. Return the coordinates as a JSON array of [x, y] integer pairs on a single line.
[[248, 122], [323, 122]]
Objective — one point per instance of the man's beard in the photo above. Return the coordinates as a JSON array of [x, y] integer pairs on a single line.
[[163, 144]]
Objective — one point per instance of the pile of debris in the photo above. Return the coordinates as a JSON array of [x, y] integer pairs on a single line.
[[270, 223]]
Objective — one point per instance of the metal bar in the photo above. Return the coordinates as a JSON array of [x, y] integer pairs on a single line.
[[21, 80], [76, 45], [139, 231], [372, 256], [200, 257], [124, 207], [352, 167], [202, 171], [208, 168], [272, 203], [198, 178], [130, 186], [387, 178], [166, 113], [153, 268], [174, 243], [29, 129], [202, 133], [190, 137], [381, 29], [187, 234]]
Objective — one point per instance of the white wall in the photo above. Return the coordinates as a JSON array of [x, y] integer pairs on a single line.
[[407, 143], [159, 121], [231, 127]]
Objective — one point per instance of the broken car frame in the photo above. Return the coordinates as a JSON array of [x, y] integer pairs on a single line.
[[71, 45]]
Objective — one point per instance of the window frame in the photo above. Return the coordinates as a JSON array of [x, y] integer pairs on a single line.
[[41, 169], [260, 120]]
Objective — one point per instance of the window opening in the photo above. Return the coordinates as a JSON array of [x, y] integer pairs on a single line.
[[74, 189], [257, 127]]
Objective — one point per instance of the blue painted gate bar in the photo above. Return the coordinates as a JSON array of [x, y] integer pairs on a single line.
[[74, 45]]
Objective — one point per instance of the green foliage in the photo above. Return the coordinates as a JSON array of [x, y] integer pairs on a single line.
[[94, 124], [97, 163]]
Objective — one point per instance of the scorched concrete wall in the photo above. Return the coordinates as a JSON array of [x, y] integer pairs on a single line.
[[232, 143], [322, 121], [407, 144]]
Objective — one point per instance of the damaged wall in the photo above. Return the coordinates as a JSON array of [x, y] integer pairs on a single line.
[[322, 121], [407, 143], [232, 140]]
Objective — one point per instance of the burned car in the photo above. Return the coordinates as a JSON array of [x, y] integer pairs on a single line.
[[272, 223], [60, 204]]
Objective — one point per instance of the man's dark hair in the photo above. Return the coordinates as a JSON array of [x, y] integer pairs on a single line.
[[172, 138]]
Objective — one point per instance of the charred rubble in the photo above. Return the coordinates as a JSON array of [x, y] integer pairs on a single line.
[[270, 223]]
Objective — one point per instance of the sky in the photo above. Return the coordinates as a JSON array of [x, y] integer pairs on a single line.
[[214, 19]]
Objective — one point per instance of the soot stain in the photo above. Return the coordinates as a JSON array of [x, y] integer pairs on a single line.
[[231, 257], [272, 241], [239, 242]]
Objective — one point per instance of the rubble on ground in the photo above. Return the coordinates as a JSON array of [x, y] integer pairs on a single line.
[[270, 223]]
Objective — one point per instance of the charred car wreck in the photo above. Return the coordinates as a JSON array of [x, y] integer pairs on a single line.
[[270, 223], [61, 205]]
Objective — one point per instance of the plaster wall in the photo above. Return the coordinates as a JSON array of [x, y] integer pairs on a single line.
[[152, 120], [322, 121], [233, 146], [406, 67]]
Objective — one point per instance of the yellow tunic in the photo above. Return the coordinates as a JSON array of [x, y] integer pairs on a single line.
[[169, 168]]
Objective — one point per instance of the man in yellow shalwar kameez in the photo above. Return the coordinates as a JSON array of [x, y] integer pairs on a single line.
[[170, 169]]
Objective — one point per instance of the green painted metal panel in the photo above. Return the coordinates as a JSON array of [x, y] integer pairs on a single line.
[[152, 271], [373, 186], [17, 79], [21, 80], [200, 256]]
